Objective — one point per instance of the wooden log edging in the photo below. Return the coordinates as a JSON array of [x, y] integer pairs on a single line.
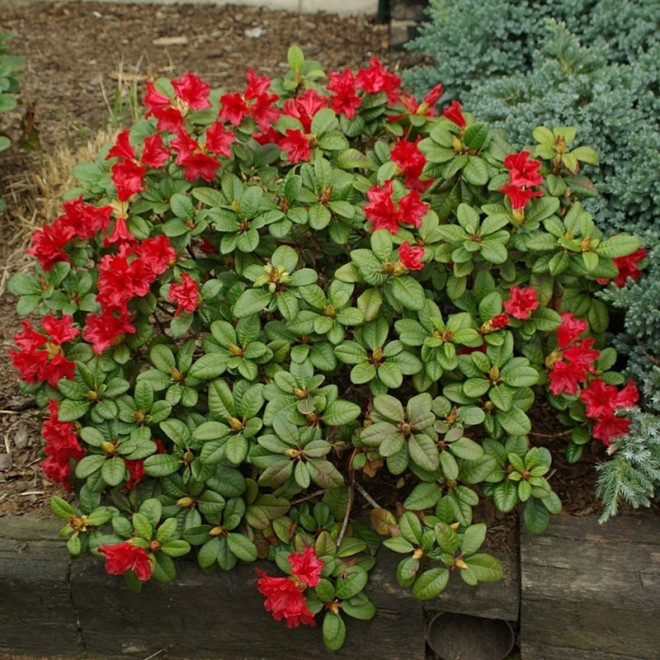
[[590, 591], [585, 592], [52, 605]]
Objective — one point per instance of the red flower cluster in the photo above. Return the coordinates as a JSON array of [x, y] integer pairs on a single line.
[[128, 171], [40, 358], [304, 107], [411, 256], [628, 267], [61, 447], [411, 162], [255, 101], [79, 221], [344, 100], [296, 145], [124, 557], [574, 360], [521, 302], [572, 364], [376, 78], [602, 402], [523, 175], [285, 597], [185, 295], [190, 93], [122, 277], [385, 213]]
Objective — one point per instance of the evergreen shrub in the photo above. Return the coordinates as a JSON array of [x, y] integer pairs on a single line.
[[591, 64]]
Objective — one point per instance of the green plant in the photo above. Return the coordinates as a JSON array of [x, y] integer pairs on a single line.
[[595, 69], [260, 309], [10, 65]]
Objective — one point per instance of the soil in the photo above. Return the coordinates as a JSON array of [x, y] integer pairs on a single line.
[[84, 62]]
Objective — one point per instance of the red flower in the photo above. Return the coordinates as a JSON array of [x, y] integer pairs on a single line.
[[344, 101], [82, 220], [257, 86], [120, 233], [412, 208], [47, 245], [128, 178], [306, 566], [193, 91], [565, 377], [136, 471], [602, 400], [500, 321], [218, 140], [570, 329], [523, 174], [186, 295], [627, 267], [233, 109], [304, 107], [411, 256], [285, 600], [122, 147], [61, 447], [296, 145], [385, 214], [79, 220], [376, 78], [382, 211], [610, 427], [598, 398], [156, 255], [154, 152], [190, 154], [125, 557], [160, 106], [122, 277], [521, 302], [411, 161], [582, 354], [41, 358], [454, 113], [107, 329]]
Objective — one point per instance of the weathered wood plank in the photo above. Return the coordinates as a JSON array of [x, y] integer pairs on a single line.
[[36, 613], [222, 615], [592, 589]]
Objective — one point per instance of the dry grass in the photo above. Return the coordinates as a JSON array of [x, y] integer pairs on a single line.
[[34, 196]]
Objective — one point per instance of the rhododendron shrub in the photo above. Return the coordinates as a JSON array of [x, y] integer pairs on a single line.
[[260, 307]]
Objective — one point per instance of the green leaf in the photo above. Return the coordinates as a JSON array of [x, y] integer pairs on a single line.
[[242, 547], [113, 471], [351, 582], [252, 301], [424, 452], [423, 496], [431, 583], [484, 567], [160, 465], [340, 413], [334, 631], [61, 508], [69, 411], [536, 516], [408, 291]]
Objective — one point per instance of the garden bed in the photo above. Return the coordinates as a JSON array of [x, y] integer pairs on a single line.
[[580, 590]]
